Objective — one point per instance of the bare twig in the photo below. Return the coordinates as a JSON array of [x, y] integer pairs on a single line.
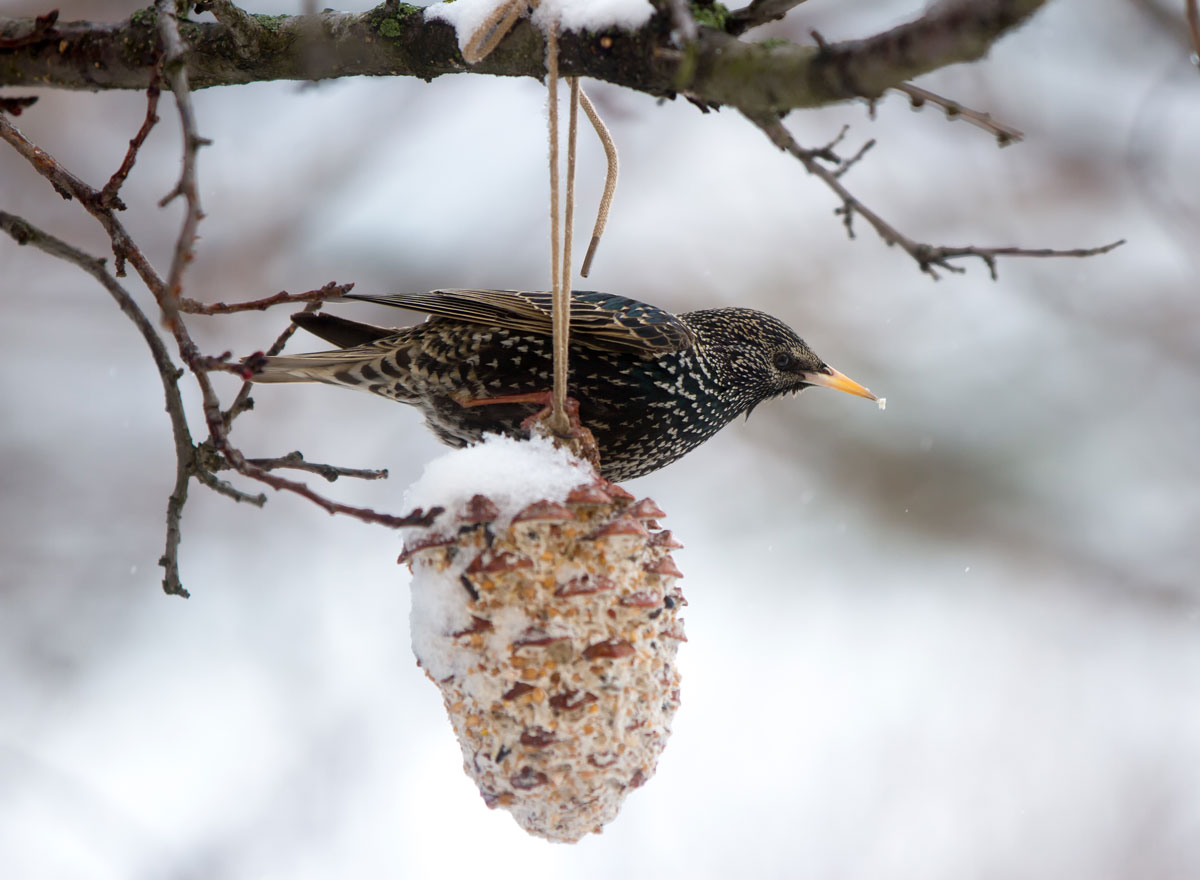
[[1005, 134], [759, 12], [243, 402], [108, 195], [319, 295], [175, 72], [191, 460], [185, 453], [242, 25], [42, 29], [69, 186], [16, 106], [331, 472], [929, 258]]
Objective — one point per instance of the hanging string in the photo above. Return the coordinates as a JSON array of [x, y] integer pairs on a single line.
[[485, 38], [562, 299], [560, 307], [610, 180], [494, 29], [560, 243]]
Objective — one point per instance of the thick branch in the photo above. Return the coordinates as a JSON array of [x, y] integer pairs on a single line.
[[396, 40]]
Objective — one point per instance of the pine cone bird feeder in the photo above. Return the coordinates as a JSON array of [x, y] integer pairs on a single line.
[[546, 609]]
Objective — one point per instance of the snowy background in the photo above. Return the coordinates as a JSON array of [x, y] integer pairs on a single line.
[[956, 639]]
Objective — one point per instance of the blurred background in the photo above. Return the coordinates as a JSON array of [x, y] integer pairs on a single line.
[[956, 639]]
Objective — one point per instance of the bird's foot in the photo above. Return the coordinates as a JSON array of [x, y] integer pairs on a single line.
[[577, 438]]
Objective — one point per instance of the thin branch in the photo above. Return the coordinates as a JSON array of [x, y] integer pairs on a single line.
[[24, 233], [319, 295], [40, 30], [759, 12], [175, 72], [1005, 134], [929, 258], [69, 186], [331, 472], [243, 26], [16, 106], [243, 402], [108, 195], [191, 461]]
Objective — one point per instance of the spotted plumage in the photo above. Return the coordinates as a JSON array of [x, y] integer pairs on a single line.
[[651, 385]]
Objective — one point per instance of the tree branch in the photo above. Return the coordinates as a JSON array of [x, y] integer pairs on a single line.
[[217, 451], [394, 39], [25, 233], [929, 257]]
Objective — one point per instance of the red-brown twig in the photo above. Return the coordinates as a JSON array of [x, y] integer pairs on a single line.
[[174, 70], [15, 106], [43, 29], [1005, 134], [321, 294], [192, 460], [108, 195], [929, 258], [185, 450], [243, 402], [331, 472]]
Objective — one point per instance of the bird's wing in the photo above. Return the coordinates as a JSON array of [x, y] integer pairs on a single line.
[[598, 320]]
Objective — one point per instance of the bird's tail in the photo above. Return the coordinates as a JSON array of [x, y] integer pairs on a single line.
[[298, 368], [353, 367]]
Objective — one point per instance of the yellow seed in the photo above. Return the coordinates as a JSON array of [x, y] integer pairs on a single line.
[[539, 695]]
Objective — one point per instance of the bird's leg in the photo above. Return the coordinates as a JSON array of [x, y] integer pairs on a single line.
[[577, 438]]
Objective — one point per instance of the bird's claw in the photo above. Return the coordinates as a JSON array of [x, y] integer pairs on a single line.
[[577, 438]]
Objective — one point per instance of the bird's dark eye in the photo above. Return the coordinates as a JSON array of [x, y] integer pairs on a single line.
[[783, 360]]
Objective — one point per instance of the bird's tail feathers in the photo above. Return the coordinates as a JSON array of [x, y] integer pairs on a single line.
[[332, 366]]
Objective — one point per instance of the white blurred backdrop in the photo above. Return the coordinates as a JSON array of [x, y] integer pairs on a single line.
[[956, 639]]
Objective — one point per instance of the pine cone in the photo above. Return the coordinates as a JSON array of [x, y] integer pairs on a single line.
[[551, 631]]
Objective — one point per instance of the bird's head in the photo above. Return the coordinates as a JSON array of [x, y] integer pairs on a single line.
[[763, 357]]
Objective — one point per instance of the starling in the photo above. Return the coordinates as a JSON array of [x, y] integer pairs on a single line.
[[651, 385]]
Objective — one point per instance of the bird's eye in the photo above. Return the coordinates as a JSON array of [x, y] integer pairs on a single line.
[[783, 360]]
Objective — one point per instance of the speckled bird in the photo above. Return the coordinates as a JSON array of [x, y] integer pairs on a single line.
[[651, 385]]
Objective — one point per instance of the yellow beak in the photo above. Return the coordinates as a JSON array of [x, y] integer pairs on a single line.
[[831, 378]]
